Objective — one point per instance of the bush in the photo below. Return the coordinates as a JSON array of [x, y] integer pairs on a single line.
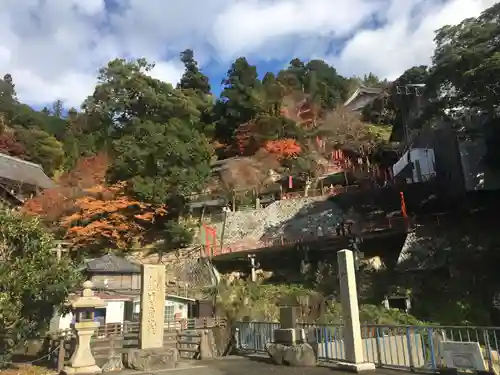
[[261, 302], [32, 281]]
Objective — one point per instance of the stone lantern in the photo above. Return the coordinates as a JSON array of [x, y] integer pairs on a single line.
[[82, 361]]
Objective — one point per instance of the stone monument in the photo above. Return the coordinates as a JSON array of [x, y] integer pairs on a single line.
[[82, 361], [289, 346], [353, 344], [152, 354], [152, 316]]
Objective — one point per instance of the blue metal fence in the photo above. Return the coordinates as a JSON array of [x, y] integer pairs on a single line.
[[395, 346]]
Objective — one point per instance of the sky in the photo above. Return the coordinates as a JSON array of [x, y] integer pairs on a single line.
[[54, 48]]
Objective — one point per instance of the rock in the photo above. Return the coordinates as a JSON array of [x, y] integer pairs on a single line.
[[207, 344], [301, 355], [276, 352], [145, 360], [113, 364]]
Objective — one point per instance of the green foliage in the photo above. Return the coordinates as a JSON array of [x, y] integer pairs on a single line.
[[43, 148], [32, 282], [241, 300], [162, 161]]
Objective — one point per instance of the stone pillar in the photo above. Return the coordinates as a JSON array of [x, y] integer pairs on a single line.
[[152, 316], [353, 344]]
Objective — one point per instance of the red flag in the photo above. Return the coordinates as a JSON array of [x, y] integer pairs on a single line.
[[290, 183], [403, 205]]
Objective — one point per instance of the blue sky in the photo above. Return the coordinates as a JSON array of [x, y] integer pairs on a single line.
[[53, 48]]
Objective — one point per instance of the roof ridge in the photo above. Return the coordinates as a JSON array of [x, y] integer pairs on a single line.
[[21, 160]]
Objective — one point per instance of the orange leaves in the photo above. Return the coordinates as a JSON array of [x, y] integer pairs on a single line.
[[88, 172], [106, 217], [91, 213], [51, 204], [283, 148]]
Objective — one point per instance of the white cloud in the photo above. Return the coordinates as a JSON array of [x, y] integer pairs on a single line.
[[53, 48]]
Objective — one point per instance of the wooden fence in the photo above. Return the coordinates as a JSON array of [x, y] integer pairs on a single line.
[[118, 338]]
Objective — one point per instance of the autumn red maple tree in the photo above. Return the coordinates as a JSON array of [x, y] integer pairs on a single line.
[[283, 148], [92, 214], [106, 217], [9, 145]]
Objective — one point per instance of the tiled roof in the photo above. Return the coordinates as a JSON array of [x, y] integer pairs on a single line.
[[23, 171], [112, 264], [363, 90]]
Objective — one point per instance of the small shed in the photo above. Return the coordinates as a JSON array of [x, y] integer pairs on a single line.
[[114, 273]]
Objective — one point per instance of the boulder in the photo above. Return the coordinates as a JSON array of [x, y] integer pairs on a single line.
[[276, 352], [148, 359], [299, 355], [113, 363]]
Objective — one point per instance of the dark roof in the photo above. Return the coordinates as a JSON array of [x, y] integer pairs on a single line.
[[112, 264], [23, 171]]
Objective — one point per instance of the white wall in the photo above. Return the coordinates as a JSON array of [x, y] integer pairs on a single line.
[[426, 160], [59, 322], [115, 311]]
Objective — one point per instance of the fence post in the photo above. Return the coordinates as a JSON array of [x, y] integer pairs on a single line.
[[377, 345], [410, 351], [237, 338], [430, 335], [61, 354]]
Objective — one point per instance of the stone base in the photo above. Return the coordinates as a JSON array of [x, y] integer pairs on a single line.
[[300, 355], [85, 370], [149, 359], [356, 367], [113, 363]]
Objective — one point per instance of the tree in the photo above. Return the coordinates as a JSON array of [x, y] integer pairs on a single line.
[[57, 109], [465, 61], [283, 148], [463, 79], [106, 218], [193, 78], [9, 145], [32, 281], [162, 162], [42, 148], [249, 173], [52, 204], [239, 102], [344, 129]]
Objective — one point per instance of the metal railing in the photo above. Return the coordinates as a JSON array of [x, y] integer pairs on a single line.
[[392, 346]]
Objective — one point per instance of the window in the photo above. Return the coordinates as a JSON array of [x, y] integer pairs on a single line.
[[169, 314]]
